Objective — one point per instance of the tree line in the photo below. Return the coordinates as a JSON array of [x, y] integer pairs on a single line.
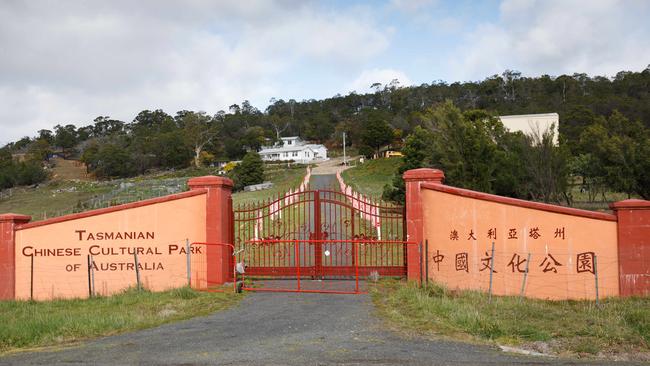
[[603, 132]]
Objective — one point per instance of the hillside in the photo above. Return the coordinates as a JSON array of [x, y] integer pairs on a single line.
[[370, 177], [65, 169], [604, 135], [61, 197]]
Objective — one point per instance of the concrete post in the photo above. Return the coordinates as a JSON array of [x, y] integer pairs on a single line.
[[219, 226], [633, 246], [414, 215], [8, 223]]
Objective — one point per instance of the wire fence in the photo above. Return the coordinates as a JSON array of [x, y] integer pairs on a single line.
[[47, 274], [123, 191], [6, 193]]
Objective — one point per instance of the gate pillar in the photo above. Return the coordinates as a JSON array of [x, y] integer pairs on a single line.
[[414, 215], [8, 223], [219, 225], [633, 246]]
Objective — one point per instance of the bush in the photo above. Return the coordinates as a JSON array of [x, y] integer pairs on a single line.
[[249, 171], [366, 151], [21, 173], [29, 173], [113, 161]]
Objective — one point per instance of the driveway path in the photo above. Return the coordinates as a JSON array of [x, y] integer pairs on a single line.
[[276, 329], [330, 166]]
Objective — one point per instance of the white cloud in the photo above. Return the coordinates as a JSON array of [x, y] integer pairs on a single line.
[[555, 37], [384, 76], [411, 6], [68, 62]]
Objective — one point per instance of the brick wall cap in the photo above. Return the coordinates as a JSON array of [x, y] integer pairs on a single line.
[[210, 181], [631, 204], [15, 218], [424, 175]]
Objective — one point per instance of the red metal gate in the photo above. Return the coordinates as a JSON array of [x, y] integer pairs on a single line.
[[320, 234]]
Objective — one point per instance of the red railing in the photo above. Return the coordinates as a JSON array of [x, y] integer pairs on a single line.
[[331, 277], [203, 262], [325, 217]]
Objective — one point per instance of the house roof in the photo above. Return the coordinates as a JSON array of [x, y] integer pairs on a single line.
[[538, 115], [272, 150]]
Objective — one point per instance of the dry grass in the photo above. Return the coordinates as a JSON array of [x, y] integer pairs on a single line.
[[617, 328]]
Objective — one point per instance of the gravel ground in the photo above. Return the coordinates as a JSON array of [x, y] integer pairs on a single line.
[[330, 166], [278, 329]]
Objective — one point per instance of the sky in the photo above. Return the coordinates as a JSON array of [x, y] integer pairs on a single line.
[[70, 61]]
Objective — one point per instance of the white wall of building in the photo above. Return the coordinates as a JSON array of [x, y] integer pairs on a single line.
[[533, 123], [292, 148]]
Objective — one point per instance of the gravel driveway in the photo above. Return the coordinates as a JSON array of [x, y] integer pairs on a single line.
[[277, 329]]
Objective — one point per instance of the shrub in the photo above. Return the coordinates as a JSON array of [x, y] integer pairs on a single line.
[[249, 171]]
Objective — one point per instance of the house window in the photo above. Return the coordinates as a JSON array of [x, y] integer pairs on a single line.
[[286, 155], [289, 142], [295, 153]]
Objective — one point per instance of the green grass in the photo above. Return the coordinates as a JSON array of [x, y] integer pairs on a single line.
[[26, 324], [581, 328], [601, 201], [370, 177], [51, 199], [283, 179]]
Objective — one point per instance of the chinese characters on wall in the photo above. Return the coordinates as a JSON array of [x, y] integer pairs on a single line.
[[518, 262]]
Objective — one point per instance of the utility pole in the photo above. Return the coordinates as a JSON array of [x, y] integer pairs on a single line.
[[345, 159]]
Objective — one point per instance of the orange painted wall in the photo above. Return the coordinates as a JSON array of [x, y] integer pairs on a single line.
[[471, 218], [171, 222]]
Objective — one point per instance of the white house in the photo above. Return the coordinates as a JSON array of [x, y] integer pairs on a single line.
[[533, 123], [293, 148]]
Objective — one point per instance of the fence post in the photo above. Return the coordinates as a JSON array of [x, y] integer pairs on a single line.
[[523, 283], [297, 261], [426, 262], [189, 263], [356, 274], [90, 287], [420, 262], [92, 273], [596, 276], [31, 280], [137, 270], [491, 273]]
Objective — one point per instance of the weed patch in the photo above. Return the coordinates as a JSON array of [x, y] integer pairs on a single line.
[[617, 326], [26, 324], [370, 177]]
